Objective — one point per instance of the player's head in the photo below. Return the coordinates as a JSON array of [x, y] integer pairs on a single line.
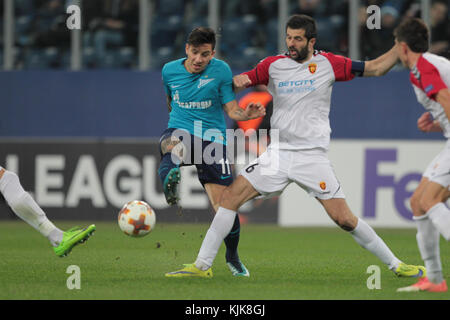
[[411, 36], [200, 49], [301, 34]]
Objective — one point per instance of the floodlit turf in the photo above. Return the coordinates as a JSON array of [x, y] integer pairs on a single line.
[[285, 263]]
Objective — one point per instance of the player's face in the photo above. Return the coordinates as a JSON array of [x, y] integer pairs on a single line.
[[300, 48], [198, 57]]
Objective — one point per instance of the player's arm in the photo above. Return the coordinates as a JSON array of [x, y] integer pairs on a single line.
[[258, 75], [241, 82], [252, 111], [169, 101], [443, 98], [166, 88], [381, 65]]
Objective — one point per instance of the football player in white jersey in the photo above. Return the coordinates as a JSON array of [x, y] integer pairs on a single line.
[[24, 206], [430, 77], [300, 82]]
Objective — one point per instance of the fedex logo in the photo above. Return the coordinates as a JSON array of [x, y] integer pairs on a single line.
[[374, 181]]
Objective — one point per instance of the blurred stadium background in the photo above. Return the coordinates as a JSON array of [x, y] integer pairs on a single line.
[[81, 110]]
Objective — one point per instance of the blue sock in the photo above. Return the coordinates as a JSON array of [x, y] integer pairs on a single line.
[[165, 166], [232, 241]]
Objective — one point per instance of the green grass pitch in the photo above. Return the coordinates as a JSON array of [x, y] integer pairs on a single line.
[[284, 263]]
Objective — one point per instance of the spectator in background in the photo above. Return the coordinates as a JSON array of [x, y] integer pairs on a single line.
[[440, 29], [377, 41], [269, 9], [50, 25], [115, 24], [311, 8], [239, 8]]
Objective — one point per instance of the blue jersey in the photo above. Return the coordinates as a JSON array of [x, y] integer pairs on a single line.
[[199, 98]]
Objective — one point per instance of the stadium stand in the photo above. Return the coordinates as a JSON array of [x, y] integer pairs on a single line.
[[248, 30]]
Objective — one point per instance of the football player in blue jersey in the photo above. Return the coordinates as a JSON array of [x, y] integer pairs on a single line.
[[198, 88]]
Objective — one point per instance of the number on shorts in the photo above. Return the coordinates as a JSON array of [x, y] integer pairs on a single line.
[[226, 169], [250, 169]]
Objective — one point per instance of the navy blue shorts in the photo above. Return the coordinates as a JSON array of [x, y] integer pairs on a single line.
[[218, 172]]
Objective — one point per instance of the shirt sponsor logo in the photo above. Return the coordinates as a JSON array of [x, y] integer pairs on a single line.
[[191, 104], [299, 86], [195, 104], [298, 83]]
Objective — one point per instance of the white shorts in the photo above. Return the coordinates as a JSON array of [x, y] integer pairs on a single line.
[[310, 169], [439, 169]]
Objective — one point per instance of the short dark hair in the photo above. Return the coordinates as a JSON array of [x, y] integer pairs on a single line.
[[202, 35], [302, 21], [415, 33]]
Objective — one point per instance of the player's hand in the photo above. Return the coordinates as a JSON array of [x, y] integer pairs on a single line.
[[426, 123], [255, 110], [241, 81]]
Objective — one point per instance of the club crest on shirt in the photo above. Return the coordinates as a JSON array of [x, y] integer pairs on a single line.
[[204, 82], [312, 67]]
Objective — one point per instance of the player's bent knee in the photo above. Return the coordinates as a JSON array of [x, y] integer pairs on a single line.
[[426, 203], [173, 145], [231, 199], [226, 199], [415, 202], [346, 222], [168, 144]]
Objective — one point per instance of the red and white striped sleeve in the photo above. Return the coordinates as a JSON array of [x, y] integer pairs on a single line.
[[260, 74], [430, 80], [344, 68]]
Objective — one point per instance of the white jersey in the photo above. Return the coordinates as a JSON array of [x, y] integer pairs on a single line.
[[302, 96], [430, 75]]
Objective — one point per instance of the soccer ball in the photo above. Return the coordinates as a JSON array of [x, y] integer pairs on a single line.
[[137, 218]]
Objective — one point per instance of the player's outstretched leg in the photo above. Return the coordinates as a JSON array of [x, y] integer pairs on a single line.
[[170, 178], [233, 197], [24, 206], [172, 151], [367, 238], [219, 229], [73, 237], [428, 238], [234, 263], [191, 271]]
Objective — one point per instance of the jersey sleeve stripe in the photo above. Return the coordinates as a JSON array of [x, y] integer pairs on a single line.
[[342, 66], [260, 74], [358, 67], [429, 78]]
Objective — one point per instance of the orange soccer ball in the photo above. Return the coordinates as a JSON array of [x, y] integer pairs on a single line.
[[137, 218]]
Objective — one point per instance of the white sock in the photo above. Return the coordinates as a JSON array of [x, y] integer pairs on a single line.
[[24, 206], [366, 237], [428, 243], [439, 215], [219, 229]]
